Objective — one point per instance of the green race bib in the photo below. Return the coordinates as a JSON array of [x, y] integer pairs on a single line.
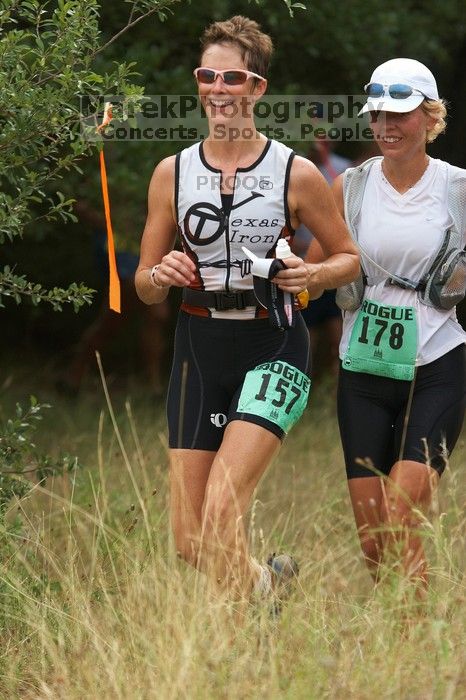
[[276, 391], [383, 341]]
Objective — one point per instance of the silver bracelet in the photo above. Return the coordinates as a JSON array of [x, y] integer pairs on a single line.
[[152, 278]]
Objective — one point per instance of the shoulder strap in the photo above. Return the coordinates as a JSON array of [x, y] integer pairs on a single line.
[[457, 204], [354, 184], [455, 235], [349, 296], [177, 184]]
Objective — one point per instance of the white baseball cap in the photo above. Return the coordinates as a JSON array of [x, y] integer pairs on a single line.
[[393, 75]]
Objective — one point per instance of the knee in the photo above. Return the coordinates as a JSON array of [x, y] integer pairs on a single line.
[[371, 549], [395, 510], [389, 512], [185, 544], [220, 518]]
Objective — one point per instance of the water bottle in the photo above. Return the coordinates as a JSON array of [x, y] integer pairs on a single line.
[[283, 251]]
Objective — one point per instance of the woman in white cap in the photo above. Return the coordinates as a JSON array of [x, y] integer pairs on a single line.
[[401, 392]]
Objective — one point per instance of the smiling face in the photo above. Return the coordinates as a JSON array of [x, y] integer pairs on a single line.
[[228, 103], [401, 135]]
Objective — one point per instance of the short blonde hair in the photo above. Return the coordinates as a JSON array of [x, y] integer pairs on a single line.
[[438, 110], [256, 47]]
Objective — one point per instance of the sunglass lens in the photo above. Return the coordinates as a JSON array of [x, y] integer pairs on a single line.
[[204, 75], [234, 77], [400, 92], [374, 90]]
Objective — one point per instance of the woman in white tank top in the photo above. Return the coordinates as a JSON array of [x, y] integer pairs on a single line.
[[402, 381], [235, 189]]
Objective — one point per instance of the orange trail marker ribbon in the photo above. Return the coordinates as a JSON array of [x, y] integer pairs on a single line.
[[114, 293]]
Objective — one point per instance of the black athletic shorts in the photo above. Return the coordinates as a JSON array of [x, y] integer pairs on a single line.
[[211, 359], [321, 309], [371, 415]]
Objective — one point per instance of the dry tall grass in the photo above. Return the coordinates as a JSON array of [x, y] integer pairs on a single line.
[[95, 603]]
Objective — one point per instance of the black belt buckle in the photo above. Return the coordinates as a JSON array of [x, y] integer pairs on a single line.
[[224, 301], [404, 283]]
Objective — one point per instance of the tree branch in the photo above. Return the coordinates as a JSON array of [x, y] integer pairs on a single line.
[[129, 25]]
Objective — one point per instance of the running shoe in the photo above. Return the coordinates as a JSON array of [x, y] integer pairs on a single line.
[[284, 571]]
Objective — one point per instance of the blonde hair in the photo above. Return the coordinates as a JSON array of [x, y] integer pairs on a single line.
[[256, 47], [438, 110]]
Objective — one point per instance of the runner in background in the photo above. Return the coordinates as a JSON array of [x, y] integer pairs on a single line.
[[402, 382], [322, 316], [239, 377]]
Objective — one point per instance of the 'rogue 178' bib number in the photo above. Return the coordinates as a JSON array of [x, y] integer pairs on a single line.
[[383, 341], [276, 391]]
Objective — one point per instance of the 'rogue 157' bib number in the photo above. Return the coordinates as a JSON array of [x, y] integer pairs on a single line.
[[276, 391], [383, 341]]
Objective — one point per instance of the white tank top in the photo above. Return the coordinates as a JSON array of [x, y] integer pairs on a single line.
[[402, 233], [213, 238]]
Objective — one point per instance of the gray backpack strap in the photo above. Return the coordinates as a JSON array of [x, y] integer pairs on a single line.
[[354, 184], [453, 241], [349, 296], [457, 203]]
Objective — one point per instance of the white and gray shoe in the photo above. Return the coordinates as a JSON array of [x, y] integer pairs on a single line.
[[284, 571]]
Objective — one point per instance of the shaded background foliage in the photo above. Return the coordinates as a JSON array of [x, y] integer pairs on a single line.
[[330, 48]]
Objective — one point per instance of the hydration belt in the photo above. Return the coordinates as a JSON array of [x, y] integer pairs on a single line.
[[220, 301]]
